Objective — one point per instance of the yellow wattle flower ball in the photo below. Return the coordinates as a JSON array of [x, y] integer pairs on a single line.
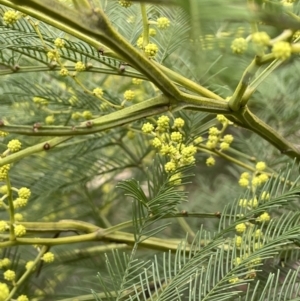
[[59, 43], [14, 145], [87, 115], [239, 45], [48, 257], [151, 49], [240, 228], [9, 275], [29, 265], [210, 161], [261, 38], [265, 217], [3, 226], [49, 119], [260, 166], [282, 50], [24, 193], [23, 298], [125, 3], [152, 32], [64, 72], [20, 230], [10, 17], [4, 171], [80, 66], [129, 95], [163, 22], [4, 291], [147, 127], [98, 92], [5, 262], [170, 166]]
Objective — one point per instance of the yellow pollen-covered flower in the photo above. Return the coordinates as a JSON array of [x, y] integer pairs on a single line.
[[156, 142], [4, 291], [238, 241], [147, 127], [9, 275], [125, 3], [213, 131], [20, 230], [282, 50], [49, 119], [261, 38], [87, 115], [80, 66], [151, 49], [64, 72], [210, 161], [4, 171], [243, 182], [129, 95], [3, 226], [59, 43], [240, 228], [224, 146], [48, 257], [239, 45], [178, 122], [170, 166], [265, 196], [10, 17], [22, 298], [98, 92], [14, 145], [260, 166], [176, 137], [163, 22], [253, 203], [265, 217], [228, 139]]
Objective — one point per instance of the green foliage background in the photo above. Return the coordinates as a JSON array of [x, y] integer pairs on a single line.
[[109, 175]]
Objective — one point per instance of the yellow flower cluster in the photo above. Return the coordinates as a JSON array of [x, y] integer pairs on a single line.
[[239, 45], [14, 145], [23, 196], [49, 119], [214, 138], [282, 50], [152, 32], [151, 49], [258, 177], [137, 81], [125, 3], [98, 92], [3, 226], [4, 291], [10, 17], [80, 66], [9, 275], [22, 298], [20, 230], [261, 38], [4, 171], [163, 22], [129, 95], [3, 134], [64, 72], [48, 257], [53, 55], [87, 115], [59, 43], [169, 142]]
